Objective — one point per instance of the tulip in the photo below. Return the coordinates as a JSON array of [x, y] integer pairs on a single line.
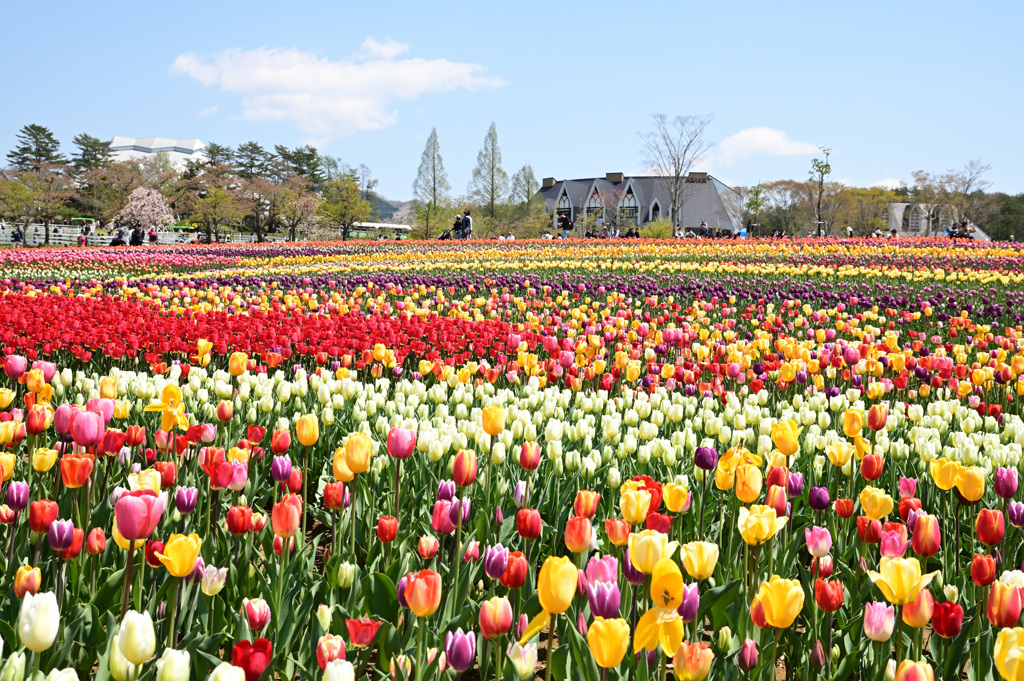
[[691, 602], [138, 513], [604, 598], [136, 638], [947, 619], [585, 504], [529, 456], [648, 547], [423, 592], [252, 657], [828, 595], [387, 529], [427, 547], [747, 657], [758, 524], [876, 503], [635, 505], [909, 670], [281, 468], [17, 496], [328, 649], [700, 559], [493, 418], [919, 613], [944, 473], [346, 575], [27, 580], [515, 571], [786, 437], [970, 482], [618, 531], [927, 535], [213, 580], [495, 617], [15, 366], [1007, 653], [692, 661], [495, 561], [818, 540], [280, 441], [173, 665], [990, 527], [608, 640], [879, 620], [286, 516], [908, 487], [705, 458], [1004, 605], [60, 534], [523, 659], [239, 519], [877, 416], [40, 514], [900, 579], [257, 612], [464, 468], [1005, 484], [87, 428], [782, 600], [460, 650], [983, 569], [528, 523], [38, 621], [577, 534], [401, 442], [893, 545], [362, 631], [226, 671], [822, 567], [818, 498], [180, 553], [43, 459]]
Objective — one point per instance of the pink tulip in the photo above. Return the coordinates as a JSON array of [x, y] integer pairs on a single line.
[[257, 612], [892, 545], [819, 541], [62, 418], [908, 487], [138, 513], [15, 366], [603, 569], [103, 407], [87, 428], [401, 442], [240, 474], [207, 433], [879, 619], [48, 369]]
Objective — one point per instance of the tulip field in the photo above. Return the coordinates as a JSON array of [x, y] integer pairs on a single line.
[[580, 460]]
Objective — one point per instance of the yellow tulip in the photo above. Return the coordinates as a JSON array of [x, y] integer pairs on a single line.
[[122, 409], [634, 505], [758, 524], [700, 559], [945, 473], [556, 586], [724, 479], [121, 541], [900, 579], [875, 503], [667, 585], [180, 554], [7, 462], [647, 547], [147, 479], [786, 436], [307, 429], [1009, 654], [853, 422], [748, 483], [237, 362], [608, 641], [970, 482], [43, 459], [204, 347], [782, 600], [238, 455], [171, 406], [675, 496], [6, 397], [493, 417], [108, 388], [839, 453], [341, 470], [358, 452]]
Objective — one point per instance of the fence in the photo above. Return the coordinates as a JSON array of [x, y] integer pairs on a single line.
[[35, 235]]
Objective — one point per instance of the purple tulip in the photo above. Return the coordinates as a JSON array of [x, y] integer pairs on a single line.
[[402, 583], [281, 468], [348, 497], [61, 534], [445, 490], [795, 485], [495, 561], [520, 495], [747, 658], [1015, 512], [818, 498], [691, 602], [198, 571], [17, 495], [460, 649], [604, 599], [464, 505], [185, 499], [705, 458], [651, 656], [1005, 484], [499, 518], [632, 575], [818, 655]]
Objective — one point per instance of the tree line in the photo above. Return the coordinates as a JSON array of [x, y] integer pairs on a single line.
[[294, 191]]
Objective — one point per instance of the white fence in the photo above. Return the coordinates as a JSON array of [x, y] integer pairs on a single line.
[[35, 235]]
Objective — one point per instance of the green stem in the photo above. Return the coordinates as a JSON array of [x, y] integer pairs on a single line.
[[899, 634], [129, 563], [172, 605], [36, 659], [774, 658], [419, 648], [352, 517], [552, 644]]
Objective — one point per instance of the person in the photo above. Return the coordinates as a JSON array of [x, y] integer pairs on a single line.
[[546, 235], [501, 237], [564, 224], [137, 236], [849, 232], [445, 235], [457, 227], [17, 237], [82, 239], [467, 225], [152, 235], [511, 236]]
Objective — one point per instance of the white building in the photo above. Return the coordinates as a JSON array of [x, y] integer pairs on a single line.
[[178, 151]]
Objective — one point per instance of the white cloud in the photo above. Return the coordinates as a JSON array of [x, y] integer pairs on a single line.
[[889, 183], [327, 98], [210, 110], [759, 142]]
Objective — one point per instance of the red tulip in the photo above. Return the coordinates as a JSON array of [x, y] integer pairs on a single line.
[[577, 534], [844, 508], [907, 505], [153, 547], [280, 441], [112, 442], [75, 549], [254, 434], [40, 514], [387, 529], [983, 569], [947, 619], [286, 515], [334, 495], [515, 571], [362, 631], [528, 523], [75, 469], [870, 531], [586, 503], [529, 456], [927, 535], [828, 595], [96, 543], [35, 420], [135, 436], [328, 649], [464, 468], [871, 467], [253, 658], [168, 473], [239, 520], [659, 522], [990, 526]]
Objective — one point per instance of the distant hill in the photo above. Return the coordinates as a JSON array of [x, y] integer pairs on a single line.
[[386, 209]]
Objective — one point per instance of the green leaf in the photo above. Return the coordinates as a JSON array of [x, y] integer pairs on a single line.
[[717, 602], [559, 661], [581, 656], [380, 597]]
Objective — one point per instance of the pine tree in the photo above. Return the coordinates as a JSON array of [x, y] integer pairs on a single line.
[[431, 186], [92, 153], [524, 186], [251, 159], [36, 146], [489, 185], [218, 154]]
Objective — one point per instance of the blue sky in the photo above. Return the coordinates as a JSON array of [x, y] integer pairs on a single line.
[[890, 86]]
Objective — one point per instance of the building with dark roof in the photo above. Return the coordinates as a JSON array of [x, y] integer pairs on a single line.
[[621, 201]]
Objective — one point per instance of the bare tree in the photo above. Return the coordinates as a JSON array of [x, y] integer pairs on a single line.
[[817, 190], [955, 196], [671, 149]]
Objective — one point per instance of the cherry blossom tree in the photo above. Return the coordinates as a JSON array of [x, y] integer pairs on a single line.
[[146, 208]]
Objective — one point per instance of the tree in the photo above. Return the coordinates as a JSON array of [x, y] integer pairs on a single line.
[[524, 186], [218, 207], [251, 160], [36, 146], [866, 209], [304, 162], [297, 206], [261, 198], [431, 188], [756, 202], [489, 185], [92, 153], [366, 186], [787, 203], [1004, 225], [820, 170], [671, 149], [50, 187], [955, 196], [341, 205], [218, 155], [146, 208], [15, 200]]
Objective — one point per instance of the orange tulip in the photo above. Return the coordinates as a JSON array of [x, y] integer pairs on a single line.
[[75, 469], [919, 613], [423, 592], [618, 531], [1004, 605], [586, 503], [285, 515], [577, 534]]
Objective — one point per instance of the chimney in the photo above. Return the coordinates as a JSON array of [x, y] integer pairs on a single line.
[[548, 182], [614, 178]]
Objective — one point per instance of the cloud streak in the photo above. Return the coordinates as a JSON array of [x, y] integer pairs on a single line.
[[761, 141], [330, 98]]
